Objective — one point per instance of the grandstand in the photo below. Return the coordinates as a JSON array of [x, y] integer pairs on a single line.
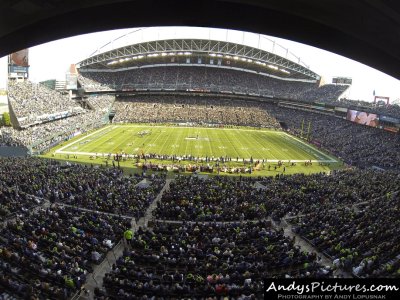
[[125, 199], [33, 104], [195, 64]]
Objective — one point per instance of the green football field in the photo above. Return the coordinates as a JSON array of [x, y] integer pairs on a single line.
[[236, 143]]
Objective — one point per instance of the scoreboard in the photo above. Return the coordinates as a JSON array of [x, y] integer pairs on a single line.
[[71, 78], [342, 80], [380, 99]]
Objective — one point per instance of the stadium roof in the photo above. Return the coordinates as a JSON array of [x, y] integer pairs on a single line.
[[365, 30], [219, 49]]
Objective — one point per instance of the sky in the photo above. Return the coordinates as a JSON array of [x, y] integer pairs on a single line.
[[52, 60]]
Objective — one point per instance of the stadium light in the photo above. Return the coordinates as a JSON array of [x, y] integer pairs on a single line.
[[243, 59], [219, 55], [164, 54], [188, 53], [180, 53], [284, 71], [171, 53], [273, 67], [249, 60], [212, 54], [236, 57]]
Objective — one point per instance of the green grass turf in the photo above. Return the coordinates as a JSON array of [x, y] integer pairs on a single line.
[[232, 142]]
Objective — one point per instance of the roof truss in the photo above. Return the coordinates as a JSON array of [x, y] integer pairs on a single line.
[[200, 46]]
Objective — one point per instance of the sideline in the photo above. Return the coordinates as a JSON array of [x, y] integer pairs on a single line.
[[100, 155], [312, 148]]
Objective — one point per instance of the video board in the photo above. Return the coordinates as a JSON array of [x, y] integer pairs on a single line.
[[18, 64], [71, 78], [20, 58], [71, 81], [362, 117], [342, 80]]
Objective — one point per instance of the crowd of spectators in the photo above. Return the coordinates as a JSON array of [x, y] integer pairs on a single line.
[[351, 215], [221, 245], [52, 118], [102, 189], [225, 80], [45, 135], [357, 145], [207, 260], [91, 85], [385, 109], [214, 199], [225, 199], [119, 196], [210, 79], [101, 102], [199, 110], [302, 194], [48, 253], [362, 240], [35, 103], [379, 148], [13, 201], [325, 93]]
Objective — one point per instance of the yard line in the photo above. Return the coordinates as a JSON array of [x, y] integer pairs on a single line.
[[186, 142], [97, 131], [99, 143], [272, 144], [209, 144], [252, 142], [301, 151], [165, 140], [243, 140], [148, 141], [234, 148]]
